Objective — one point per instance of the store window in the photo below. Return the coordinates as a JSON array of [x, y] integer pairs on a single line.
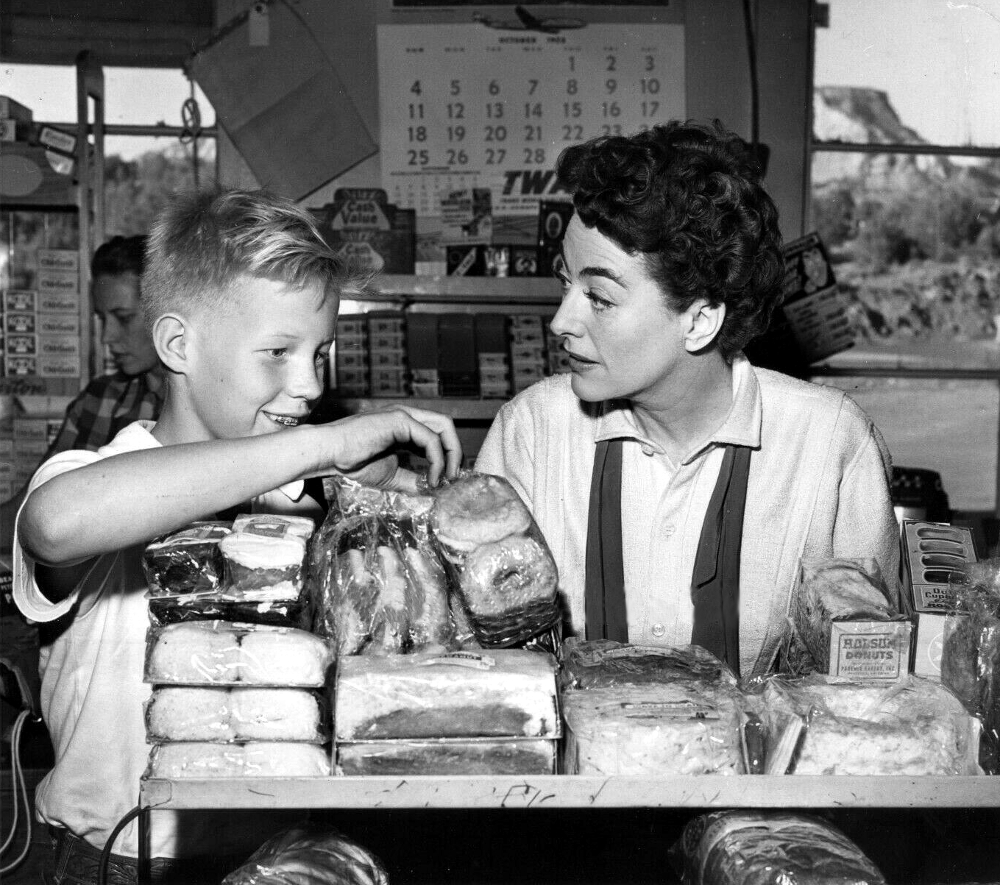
[[905, 171], [159, 133]]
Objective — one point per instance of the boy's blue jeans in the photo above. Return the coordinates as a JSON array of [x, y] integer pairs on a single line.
[[75, 861]]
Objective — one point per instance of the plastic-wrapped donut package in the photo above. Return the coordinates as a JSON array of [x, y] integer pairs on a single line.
[[635, 710], [251, 570], [505, 574], [378, 584], [769, 848]]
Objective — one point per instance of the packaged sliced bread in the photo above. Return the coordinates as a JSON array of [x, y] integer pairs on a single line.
[[912, 727], [500, 693]]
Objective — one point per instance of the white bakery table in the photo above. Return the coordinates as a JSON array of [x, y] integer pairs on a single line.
[[702, 792]]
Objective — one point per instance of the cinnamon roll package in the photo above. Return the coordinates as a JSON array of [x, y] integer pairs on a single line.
[[378, 584], [501, 566]]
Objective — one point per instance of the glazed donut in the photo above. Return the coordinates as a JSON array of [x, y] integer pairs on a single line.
[[477, 509], [507, 577]]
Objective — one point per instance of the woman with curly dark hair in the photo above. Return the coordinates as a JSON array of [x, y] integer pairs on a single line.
[[678, 485]]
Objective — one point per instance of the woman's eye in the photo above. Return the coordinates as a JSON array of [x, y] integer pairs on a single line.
[[322, 356], [277, 352], [598, 302]]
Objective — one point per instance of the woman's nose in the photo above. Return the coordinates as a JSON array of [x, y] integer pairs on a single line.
[[566, 320]]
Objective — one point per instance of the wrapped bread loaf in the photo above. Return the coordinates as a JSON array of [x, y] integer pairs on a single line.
[[185, 713], [309, 854], [638, 710], [447, 757], [502, 693], [265, 554], [769, 848], [257, 759], [504, 571], [653, 730], [187, 561], [912, 727], [224, 653]]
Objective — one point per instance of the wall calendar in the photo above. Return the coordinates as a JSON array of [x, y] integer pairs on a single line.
[[464, 105]]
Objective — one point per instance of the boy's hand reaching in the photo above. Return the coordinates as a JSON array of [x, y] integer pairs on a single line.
[[365, 446]]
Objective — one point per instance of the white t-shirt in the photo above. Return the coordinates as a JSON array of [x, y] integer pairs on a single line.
[[92, 693]]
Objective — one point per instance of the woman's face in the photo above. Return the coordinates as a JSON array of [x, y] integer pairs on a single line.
[[622, 339]]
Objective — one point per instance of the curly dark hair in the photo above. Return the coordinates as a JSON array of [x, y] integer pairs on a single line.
[[689, 198], [119, 255]]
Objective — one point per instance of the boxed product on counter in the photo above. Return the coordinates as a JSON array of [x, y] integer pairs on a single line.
[[461, 712], [849, 623]]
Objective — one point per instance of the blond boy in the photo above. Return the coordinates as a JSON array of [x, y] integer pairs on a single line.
[[241, 295]]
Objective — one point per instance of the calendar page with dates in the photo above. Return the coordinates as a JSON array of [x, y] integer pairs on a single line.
[[464, 105]]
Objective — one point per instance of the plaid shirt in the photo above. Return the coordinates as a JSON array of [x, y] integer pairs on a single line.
[[106, 405]]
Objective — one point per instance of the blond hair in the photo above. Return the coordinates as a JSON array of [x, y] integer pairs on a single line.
[[204, 242]]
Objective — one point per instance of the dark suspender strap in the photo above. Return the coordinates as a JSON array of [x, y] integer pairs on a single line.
[[715, 579], [605, 577]]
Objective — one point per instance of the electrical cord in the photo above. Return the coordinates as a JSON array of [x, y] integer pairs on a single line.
[[102, 866], [20, 793]]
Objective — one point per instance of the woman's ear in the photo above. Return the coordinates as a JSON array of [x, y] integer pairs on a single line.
[[703, 324], [170, 337]]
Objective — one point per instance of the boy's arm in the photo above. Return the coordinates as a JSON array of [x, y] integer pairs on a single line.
[[130, 498]]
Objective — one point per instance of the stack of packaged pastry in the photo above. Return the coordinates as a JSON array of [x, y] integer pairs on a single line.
[[234, 698], [423, 597]]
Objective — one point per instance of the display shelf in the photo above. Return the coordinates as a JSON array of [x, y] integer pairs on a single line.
[[464, 290], [573, 791], [457, 408]]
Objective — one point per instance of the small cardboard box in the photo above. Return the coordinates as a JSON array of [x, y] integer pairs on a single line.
[[931, 552], [928, 643], [20, 323], [20, 300], [870, 649]]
